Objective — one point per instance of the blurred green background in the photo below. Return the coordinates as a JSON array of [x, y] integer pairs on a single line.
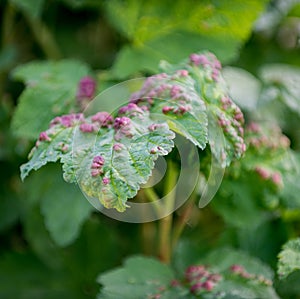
[[53, 243]]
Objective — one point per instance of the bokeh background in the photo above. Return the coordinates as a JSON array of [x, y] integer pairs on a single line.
[[53, 244]]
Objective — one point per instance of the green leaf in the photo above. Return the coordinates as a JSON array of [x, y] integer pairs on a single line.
[[50, 88], [246, 93], [173, 29], [138, 278], [285, 81], [65, 209], [256, 282], [173, 48], [289, 258], [39, 238], [30, 7], [126, 168], [63, 206], [129, 153], [191, 123], [199, 90]]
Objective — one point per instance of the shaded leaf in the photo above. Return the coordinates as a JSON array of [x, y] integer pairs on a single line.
[[173, 29], [65, 209], [34, 280], [246, 92], [138, 278], [63, 206], [30, 7], [284, 81]]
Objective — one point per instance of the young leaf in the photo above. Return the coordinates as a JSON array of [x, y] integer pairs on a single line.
[[289, 258], [50, 88]]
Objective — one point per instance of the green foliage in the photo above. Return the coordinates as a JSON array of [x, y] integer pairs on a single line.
[[111, 158], [52, 246], [30, 7], [173, 29], [289, 258], [63, 207], [142, 277], [138, 278], [51, 88]]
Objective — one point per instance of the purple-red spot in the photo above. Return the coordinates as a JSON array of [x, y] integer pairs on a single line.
[[87, 128], [167, 109], [103, 118], [86, 88], [105, 181], [118, 147], [121, 122], [44, 137], [197, 59]]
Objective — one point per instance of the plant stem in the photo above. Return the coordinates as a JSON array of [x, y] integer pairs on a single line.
[[44, 38], [182, 220], [165, 224], [148, 234]]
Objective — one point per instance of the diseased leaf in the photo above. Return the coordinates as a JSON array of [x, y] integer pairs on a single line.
[[51, 88], [289, 258], [194, 98], [142, 277], [174, 98], [109, 163], [110, 158], [138, 278]]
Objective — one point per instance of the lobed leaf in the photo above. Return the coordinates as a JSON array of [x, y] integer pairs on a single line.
[[126, 149], [50, 88], [140, 277], [194, 98], [110, 158]]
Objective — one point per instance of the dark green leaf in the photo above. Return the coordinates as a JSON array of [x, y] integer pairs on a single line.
[[34, 280], [138, 278], [30, 7], [63, 206], [65, 209]]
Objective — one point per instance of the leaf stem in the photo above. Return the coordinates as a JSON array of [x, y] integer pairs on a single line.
[[165, 224]]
